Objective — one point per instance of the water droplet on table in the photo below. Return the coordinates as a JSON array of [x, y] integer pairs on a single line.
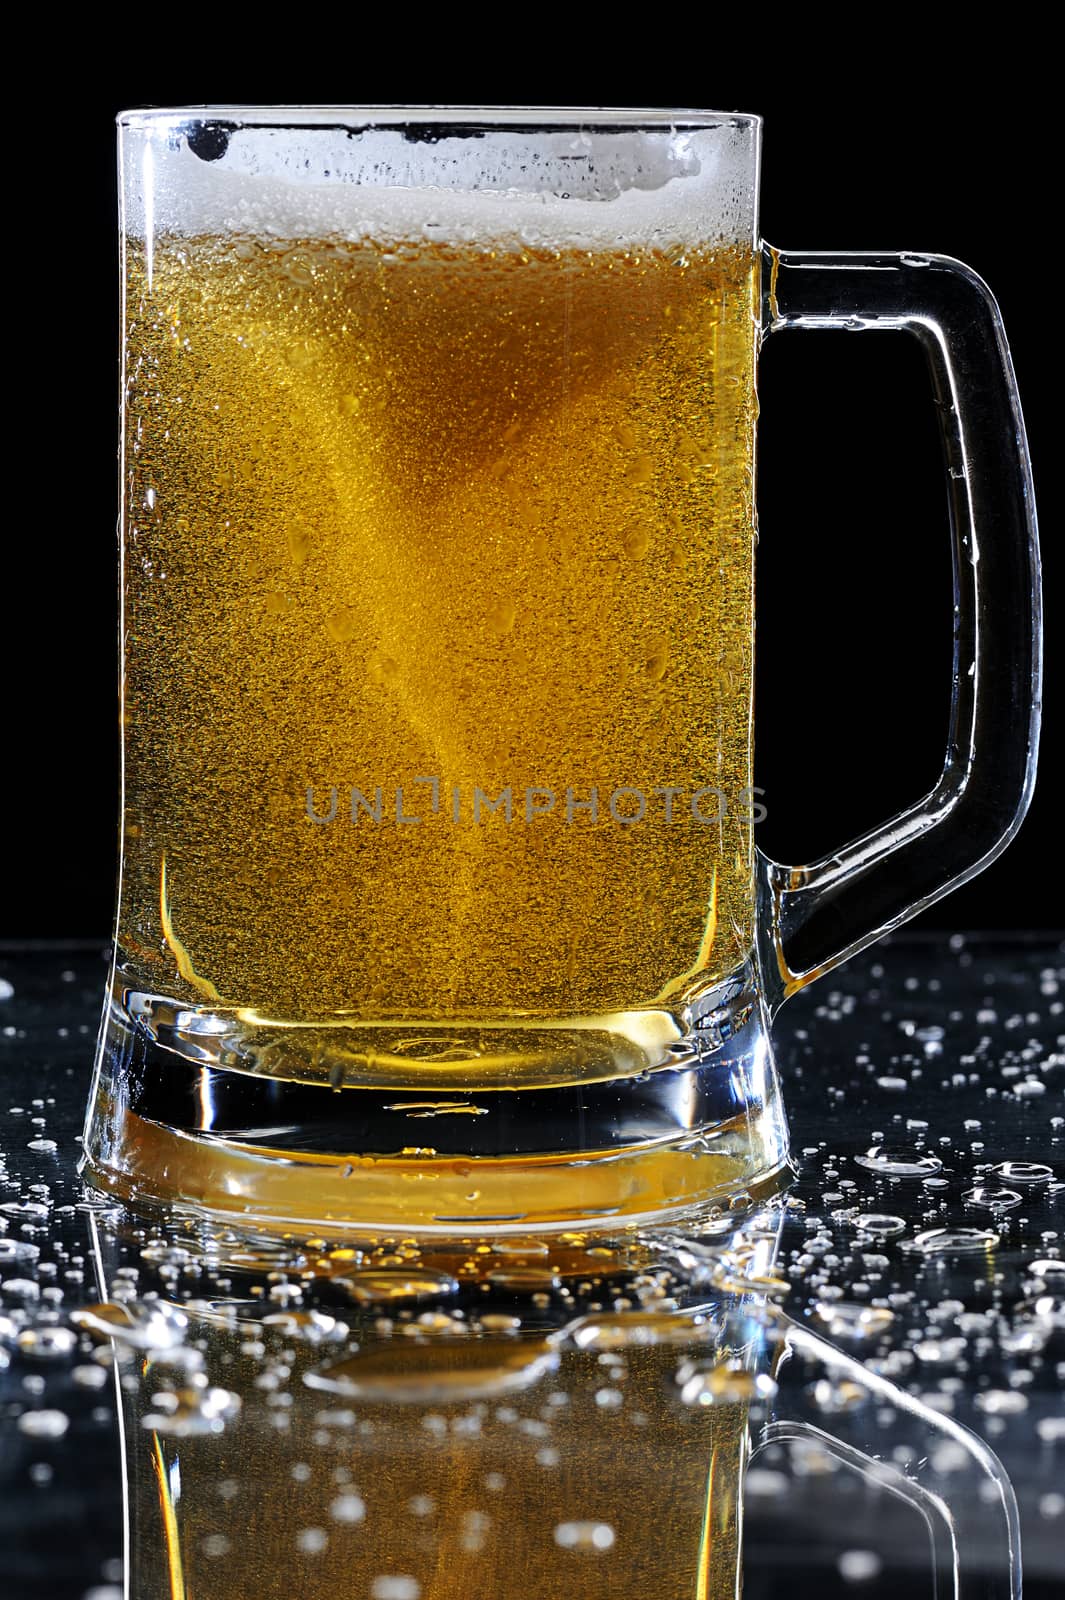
[[991, 1199], [899, 1163], [954, 1241], [1033, 1172]]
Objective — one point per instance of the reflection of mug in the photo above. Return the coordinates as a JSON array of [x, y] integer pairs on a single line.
[[406, 1453], [439, 899]]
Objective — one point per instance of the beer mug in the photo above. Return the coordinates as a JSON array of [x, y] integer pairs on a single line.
[[440, 905]]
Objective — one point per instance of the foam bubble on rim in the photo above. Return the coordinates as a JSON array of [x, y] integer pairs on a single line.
[[561, 188]]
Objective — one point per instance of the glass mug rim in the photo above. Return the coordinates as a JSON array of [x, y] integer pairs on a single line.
[[517, 117]]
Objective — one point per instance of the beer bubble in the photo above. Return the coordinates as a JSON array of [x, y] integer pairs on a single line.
[[626, 436], [348, 405], [298, 266], [299, 543], [277, 603], [656, 662], [381, 668], [640, 471], [636, 543], [501, 616], [302, 355], [340, 625]]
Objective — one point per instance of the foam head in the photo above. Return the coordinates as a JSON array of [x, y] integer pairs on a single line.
[[563, 179]]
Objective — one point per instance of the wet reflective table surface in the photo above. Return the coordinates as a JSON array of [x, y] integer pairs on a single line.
[[852, 1391]]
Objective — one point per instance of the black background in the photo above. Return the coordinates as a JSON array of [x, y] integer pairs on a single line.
[[865, 150]]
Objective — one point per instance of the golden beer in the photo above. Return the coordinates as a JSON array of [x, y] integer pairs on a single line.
[[545, 1494], [435, 1448], [438, 629]]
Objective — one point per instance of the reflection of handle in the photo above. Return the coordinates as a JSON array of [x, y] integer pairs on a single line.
[[816, 916], [953, 1481]]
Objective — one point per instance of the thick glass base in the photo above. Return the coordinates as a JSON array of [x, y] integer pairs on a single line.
[[436, 1128]]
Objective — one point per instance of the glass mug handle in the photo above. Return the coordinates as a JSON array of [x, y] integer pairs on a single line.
[[946, 1473], [813, 917]]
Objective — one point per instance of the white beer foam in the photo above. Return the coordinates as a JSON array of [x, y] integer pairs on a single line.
[[557, 187]]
